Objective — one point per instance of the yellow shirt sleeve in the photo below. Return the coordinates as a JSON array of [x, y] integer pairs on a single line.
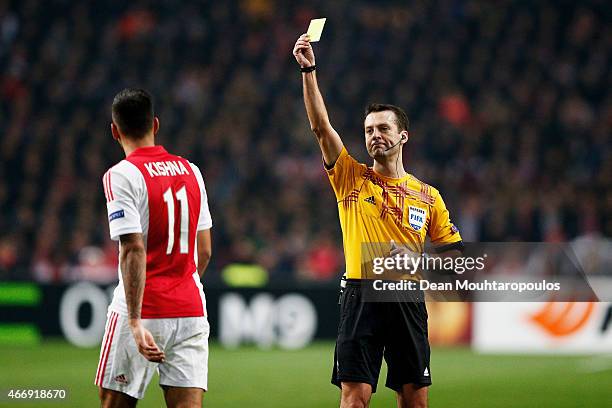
[[345, 174], [442, 231]]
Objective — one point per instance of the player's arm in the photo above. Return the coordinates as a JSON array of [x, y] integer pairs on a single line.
[[329, 140], [133, 262], [203, 234], [204, 250], [123, 192]]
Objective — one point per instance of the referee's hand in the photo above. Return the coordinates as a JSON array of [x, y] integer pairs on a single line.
[[402, 250], [303, 52], [411, 258], [146, 344]]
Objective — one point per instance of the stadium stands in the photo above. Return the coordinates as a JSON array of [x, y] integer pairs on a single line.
[[509, 102]]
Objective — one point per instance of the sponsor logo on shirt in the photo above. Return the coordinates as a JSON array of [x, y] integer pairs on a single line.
[[166, 168], [115, 215], [370, 200]]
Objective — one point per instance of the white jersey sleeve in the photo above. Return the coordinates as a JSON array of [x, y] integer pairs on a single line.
[[124, 188], [205, 220]]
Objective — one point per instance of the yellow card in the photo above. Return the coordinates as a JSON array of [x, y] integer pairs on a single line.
[[315, 29]]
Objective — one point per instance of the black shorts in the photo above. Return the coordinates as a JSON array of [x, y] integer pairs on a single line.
[[370, 330]]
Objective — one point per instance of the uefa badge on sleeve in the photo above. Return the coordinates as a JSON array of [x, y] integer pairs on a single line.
[[115, 215]]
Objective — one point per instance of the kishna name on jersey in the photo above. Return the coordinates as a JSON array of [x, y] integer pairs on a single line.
[[166, 168]]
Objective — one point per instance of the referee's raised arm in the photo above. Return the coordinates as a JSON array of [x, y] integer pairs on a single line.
[[329, 140]]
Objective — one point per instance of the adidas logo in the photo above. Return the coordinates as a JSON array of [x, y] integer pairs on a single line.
[[121, 379], [370, 200], [426, 372]]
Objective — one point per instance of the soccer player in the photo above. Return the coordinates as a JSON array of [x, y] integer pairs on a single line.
[[378, 204], [158, 211]]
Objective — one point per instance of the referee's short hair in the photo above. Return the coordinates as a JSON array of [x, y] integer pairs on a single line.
[[133, 112], [401, 119]]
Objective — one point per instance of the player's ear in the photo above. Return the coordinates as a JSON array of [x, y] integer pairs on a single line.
[[155, 125], [114, 131]]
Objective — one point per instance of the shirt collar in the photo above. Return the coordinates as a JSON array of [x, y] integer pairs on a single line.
[[148, 151]]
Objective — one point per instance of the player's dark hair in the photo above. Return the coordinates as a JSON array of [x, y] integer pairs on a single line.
[[133, 112], [401, 119]]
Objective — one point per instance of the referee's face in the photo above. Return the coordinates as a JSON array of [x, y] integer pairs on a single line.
[[381, 133]]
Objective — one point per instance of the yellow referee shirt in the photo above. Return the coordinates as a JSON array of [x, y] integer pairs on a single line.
[[376, 210]]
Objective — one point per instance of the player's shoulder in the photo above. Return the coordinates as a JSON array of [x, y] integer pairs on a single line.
[[194, 166], [428, 192], [195, 169], [124, 169], [191, 167], [178, 158], [123, 176]]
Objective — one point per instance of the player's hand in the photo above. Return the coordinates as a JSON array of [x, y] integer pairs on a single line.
[[303, 52], [145, 343]]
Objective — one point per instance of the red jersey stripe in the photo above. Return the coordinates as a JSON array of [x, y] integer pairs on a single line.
[[107, 346], [105, 182], [104, 339], [110, 186]]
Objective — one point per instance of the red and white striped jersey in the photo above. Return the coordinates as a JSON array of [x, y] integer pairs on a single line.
[[163, 197]]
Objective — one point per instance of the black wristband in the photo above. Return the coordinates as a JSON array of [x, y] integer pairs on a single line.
[[308, 69]]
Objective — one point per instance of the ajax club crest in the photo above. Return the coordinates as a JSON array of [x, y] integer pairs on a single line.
[[416, 217]]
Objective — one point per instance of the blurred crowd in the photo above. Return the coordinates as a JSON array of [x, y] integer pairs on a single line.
[[509, 103]]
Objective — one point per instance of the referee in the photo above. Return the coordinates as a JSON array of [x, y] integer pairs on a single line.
[[377, 205]]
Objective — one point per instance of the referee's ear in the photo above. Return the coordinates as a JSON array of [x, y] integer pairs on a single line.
[[405, 135]]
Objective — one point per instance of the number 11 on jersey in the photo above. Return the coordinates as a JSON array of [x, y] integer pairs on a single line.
[[181, 197]]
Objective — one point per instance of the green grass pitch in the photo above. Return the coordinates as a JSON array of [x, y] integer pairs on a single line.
[[249, 377]]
